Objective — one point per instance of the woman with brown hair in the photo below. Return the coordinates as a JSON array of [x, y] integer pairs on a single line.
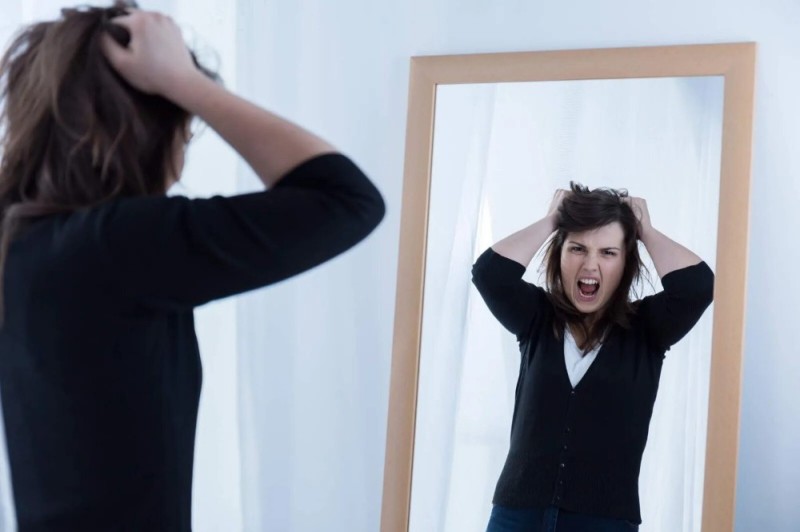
[[591, 358], [99, 366]]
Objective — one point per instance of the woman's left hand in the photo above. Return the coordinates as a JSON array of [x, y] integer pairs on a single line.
[[639, 207]]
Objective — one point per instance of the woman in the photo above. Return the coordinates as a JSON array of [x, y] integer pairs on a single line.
[[591, 358], [100, 371]]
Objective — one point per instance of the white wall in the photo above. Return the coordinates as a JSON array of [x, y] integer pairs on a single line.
[[341, 68]]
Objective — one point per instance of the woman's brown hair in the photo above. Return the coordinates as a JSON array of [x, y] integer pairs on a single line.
[[74, 133], [583, 210]]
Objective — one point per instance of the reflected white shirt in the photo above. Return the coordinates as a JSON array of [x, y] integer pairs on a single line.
[[577, 365]]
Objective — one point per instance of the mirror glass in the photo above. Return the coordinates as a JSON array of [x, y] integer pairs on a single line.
[[500, 151]]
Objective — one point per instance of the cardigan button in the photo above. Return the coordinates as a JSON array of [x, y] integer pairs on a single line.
[[562, 465]]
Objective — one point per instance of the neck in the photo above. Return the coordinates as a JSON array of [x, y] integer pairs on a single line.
[[589, 321]]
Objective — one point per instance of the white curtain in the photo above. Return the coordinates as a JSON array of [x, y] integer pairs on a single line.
[[461, 159], [660, 139]]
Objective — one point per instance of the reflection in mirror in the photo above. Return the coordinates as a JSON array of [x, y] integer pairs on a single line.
[[499, 153]]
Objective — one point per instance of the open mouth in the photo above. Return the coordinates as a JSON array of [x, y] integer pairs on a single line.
[[588, 289]]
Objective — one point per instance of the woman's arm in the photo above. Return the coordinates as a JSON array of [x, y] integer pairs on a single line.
[[688, 285], [271, 145], [667, 254], [522, 246], [172, 252], [157, 61], [497, 274]]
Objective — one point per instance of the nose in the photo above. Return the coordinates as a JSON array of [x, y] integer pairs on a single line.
[[590, 264]]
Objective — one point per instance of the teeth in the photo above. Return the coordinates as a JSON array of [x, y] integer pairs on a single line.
[[587, 281]]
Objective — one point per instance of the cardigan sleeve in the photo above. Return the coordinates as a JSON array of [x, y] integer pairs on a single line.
[[176, 253], [670, 314], [514, 302]]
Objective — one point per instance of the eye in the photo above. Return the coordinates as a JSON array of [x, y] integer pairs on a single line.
[[611, 253], [575, 249]]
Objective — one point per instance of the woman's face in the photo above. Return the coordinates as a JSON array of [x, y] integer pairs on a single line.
[[592, 263]]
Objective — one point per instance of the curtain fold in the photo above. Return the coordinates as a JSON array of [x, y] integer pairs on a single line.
[[452, 230]]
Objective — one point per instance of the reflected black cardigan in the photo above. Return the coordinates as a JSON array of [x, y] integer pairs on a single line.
[[581, 448]]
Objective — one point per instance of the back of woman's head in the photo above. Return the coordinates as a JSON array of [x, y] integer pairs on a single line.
[[582, 210], [74, 133]]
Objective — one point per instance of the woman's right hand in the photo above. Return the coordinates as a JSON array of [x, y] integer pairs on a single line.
[[156, 58], [558, 197], [523, 245]]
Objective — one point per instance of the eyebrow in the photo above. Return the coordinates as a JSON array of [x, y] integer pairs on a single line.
[[583, 245]]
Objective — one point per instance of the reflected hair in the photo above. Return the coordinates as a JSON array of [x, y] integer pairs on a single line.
[[73, 133], [581, 210]]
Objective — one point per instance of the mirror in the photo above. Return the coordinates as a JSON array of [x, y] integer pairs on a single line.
[[498, 146], [499, 152]]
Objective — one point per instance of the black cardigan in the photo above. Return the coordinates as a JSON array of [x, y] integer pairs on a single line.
[[99, 367], [581, 448]]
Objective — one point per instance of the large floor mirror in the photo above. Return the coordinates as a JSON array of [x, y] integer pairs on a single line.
[[490, 138]]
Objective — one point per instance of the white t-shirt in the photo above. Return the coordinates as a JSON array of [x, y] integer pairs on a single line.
[[577, 365]]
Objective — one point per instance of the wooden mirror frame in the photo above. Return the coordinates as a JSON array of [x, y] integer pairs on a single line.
[[736, 62]]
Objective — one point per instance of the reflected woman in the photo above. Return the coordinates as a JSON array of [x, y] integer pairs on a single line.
[[590, 358]]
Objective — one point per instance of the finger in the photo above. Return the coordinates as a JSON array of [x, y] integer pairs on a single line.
[[119, 33], [119, 25], [127, 20], [131, 22], [113, 50]]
